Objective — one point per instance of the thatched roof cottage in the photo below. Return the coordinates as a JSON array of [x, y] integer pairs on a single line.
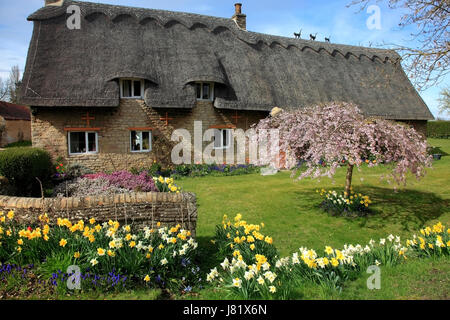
[[109, 93]]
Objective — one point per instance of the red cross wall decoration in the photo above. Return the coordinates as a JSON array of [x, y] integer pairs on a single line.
[[236, 117], [166, 119], [88, 119]]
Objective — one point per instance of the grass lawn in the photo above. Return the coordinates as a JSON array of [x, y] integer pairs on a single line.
[[289, 209]]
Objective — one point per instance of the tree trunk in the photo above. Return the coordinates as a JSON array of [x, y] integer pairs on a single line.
[[348, 179]]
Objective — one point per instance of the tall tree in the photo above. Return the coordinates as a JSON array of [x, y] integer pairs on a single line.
[[3, 90], [428, 62], [338, 135], [444, 101], [14, 83]]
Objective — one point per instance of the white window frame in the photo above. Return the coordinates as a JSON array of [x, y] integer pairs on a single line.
[[86, 135], [211, 90], [140, 135], [132, 88], [221, 139]]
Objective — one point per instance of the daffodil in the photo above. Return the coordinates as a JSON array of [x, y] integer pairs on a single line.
[[100, 251], [63, 242], [76, 255], [147, 278], [237, 282]]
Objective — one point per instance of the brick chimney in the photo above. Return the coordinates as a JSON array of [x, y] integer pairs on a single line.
[[239, 18], [57, 3]]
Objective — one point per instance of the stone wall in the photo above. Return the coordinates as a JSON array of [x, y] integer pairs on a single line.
[[142, 209], [48, 130], [419, 125]]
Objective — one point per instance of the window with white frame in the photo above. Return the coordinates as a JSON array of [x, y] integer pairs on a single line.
[[83, 142], [205, 90], [222, 138], [131, 88], [141, 141]]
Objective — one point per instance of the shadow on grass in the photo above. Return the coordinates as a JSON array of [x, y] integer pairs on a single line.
[[438, 150], [207, 254], [411, 209]]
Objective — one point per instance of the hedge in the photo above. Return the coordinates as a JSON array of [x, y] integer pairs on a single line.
[[21, 166], [438, 129]]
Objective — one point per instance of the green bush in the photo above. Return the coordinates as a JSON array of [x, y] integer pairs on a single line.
[[21, 166], [438, 129]]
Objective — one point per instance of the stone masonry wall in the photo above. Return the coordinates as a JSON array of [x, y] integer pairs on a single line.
[[114, 137], [15, 130], [141, 209]]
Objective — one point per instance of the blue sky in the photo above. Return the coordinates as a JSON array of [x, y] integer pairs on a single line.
[[283, 17]]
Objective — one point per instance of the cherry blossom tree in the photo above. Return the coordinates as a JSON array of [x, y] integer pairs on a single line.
[[335, 135]]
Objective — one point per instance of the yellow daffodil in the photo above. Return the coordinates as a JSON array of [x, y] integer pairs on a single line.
[[76, 255], [63, 242], [147, 278], [10, 215], [100, 251], [334, 262]]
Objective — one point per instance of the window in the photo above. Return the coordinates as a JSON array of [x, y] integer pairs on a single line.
[[141, 141], [222, 138], [83, 142], [131, 88], [205, 91]]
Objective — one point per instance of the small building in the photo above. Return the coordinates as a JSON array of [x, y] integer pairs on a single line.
[[15, 123], [109, 92]]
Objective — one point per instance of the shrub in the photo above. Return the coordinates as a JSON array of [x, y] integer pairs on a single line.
[[126, 180], [438, 129], [83, 187], [21, 166], [76, 170]]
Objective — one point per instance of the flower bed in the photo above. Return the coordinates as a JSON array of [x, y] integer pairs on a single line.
[[107, 254], [345, 204], [199, 170], [251, 268], [102, 183]]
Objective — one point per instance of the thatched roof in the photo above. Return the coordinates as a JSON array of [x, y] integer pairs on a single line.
[[170, 50]]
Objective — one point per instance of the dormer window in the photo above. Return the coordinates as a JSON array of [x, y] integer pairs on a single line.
[[131, 88], [205, 91]]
